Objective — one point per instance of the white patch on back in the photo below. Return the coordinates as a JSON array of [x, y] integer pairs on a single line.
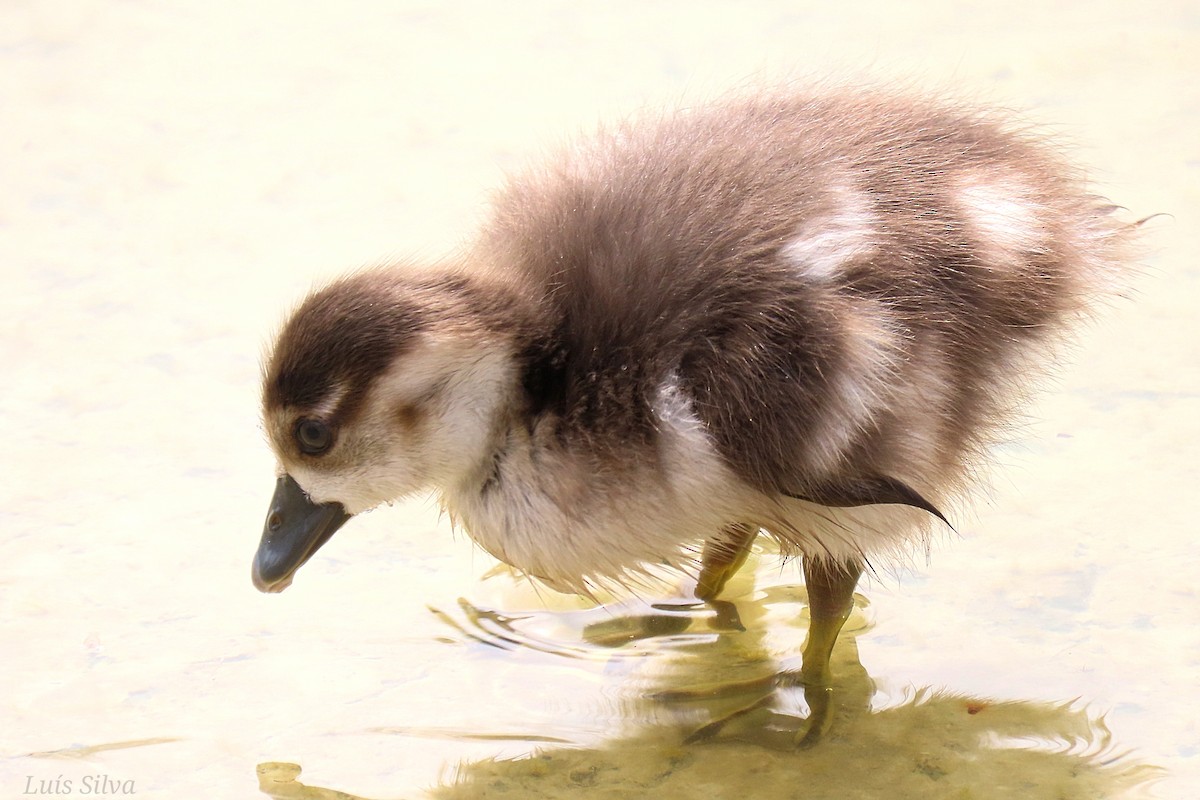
[[862, 384], [920, 403], [1001, 211], [828, 244], [689, 456]]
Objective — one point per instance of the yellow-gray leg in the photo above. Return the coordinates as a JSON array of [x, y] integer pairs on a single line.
[[722, 557], [830, 599]]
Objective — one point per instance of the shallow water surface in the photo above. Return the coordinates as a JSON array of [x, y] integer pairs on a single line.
[[175, 175]]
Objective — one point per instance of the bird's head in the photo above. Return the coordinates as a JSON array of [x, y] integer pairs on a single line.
[[379, 386]]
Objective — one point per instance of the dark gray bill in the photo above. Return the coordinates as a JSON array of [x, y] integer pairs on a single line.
[[296, 528]]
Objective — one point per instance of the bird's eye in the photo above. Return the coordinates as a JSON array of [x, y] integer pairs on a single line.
[[313, 436]]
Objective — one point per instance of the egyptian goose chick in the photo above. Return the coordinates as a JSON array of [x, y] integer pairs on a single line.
[[805, 315]]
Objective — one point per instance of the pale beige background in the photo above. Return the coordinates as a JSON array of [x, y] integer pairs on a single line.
[[174, 175]]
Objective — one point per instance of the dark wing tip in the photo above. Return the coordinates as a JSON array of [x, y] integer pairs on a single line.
[[878, 490]]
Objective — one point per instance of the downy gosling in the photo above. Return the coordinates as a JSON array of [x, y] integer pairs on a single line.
[[804, 315]]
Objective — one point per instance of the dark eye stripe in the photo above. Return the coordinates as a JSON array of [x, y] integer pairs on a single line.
[[313, 436]]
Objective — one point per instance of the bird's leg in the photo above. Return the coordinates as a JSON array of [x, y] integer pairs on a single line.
[[830, 599], [722, 557], [830, 587]]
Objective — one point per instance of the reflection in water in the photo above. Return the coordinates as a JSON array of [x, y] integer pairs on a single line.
[[277, 779], [931, 747], [714, 711]]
